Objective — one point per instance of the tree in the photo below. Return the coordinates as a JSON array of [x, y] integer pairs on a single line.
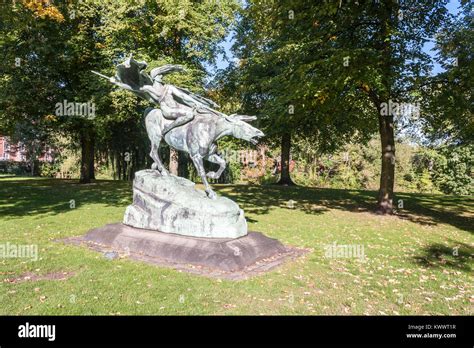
[[282, 59], [340, 65], [33, 138], [453, 171], [58, 45], [160, 33], [48, 70], [28, 86], [447, 96]]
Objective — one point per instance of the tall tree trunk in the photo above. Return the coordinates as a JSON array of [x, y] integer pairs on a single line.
[[92, 164], [124, 169], [33, 158], [387, 139], [183, 165], [119, 166], [285, 178], [387, 174], [87, 156], [173, 161]]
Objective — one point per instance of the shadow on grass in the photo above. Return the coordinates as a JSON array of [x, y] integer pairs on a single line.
[[39, 196], [262, 199], [423, 209], [53, 196], [458, 256]]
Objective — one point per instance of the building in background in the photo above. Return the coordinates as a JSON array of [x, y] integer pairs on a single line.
[[16, 152]]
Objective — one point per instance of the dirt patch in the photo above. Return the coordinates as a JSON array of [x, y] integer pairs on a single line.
[[33, 277]]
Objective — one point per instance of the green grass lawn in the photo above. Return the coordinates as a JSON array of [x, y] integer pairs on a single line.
[[419, 262]]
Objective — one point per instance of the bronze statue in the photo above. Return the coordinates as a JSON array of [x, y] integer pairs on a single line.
[[186, 121]]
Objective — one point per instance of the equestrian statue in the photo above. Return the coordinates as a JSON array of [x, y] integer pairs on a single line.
[[184, 120]]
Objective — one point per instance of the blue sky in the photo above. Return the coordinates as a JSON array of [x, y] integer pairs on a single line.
[[222, 62], [453, 7]]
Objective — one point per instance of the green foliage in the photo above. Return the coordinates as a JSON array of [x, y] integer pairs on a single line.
[[231, 174], [58, 44], [293, 53], [353, 166], [418, 177], [34, 137], [14, 168], [453, 171], [49, 170], [448, 96], [447, 169]]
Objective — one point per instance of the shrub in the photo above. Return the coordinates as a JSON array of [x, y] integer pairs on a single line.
[[453, 171], [15, 168]]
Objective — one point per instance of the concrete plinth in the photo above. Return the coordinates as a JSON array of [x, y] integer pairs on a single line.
[[230, 256]]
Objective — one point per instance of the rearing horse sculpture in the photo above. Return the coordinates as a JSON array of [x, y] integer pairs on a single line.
[[198, 138], [186, 121]]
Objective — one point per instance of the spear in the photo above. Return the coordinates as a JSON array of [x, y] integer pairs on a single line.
[[101, 75]]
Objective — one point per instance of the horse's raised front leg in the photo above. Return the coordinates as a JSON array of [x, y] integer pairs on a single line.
[[197, 160], [218, 160]]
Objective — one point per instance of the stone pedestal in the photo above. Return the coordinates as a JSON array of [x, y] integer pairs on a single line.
[[172, 204], [228, 255], [171, 223]]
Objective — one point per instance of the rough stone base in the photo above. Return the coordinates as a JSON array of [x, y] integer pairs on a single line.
[[224, 258], [172, 204]]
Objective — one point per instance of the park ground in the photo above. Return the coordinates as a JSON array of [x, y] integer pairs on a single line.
[[417, 262]]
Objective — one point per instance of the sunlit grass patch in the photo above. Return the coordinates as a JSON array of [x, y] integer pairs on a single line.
[[419, 262]]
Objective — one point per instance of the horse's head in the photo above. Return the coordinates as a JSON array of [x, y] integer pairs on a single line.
[[243, 130]]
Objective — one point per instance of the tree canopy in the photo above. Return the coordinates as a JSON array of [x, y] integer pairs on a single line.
[[50, 49], [329, 70]]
